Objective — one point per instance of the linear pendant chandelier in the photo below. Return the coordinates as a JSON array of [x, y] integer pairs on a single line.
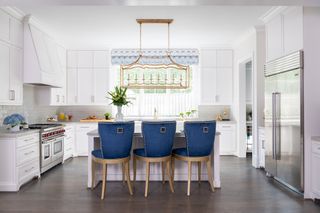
[[142, 75]]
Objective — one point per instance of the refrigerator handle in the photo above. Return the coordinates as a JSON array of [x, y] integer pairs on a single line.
[[277, 127], [273, 125]]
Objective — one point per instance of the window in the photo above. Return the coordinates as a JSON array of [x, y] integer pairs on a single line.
[[167, 102]]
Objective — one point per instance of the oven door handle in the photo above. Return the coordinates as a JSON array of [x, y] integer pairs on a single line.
[[61, 137]]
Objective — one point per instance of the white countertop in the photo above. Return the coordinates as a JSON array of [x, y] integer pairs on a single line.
[[8, 134]]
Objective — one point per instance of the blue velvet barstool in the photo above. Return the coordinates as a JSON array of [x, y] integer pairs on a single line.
[[116, 143], [158, 140], [200, 137]]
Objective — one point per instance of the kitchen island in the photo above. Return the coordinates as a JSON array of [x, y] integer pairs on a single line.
[[114, 172]]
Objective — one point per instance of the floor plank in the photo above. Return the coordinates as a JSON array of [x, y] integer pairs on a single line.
[[244, 189]]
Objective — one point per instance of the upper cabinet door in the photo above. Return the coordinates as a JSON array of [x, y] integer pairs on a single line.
[[85, 59], [100, 85], [72, 86], [5, 72], [101, 59], [16, 32], [208, 58], [16, 72], [208, 85], [4, 26], [85, 86], [224, 58], [41, 49], [292, 30], [72, 59], [224, 86], [274, 38]]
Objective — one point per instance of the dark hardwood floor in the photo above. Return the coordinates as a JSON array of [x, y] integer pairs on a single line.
[[244, 189]]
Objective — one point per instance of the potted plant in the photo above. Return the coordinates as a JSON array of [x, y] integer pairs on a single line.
[[119, 99], [107, 115]]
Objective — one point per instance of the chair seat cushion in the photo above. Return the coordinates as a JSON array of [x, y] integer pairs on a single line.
[[140, 152], [97, 153], [180, 151]]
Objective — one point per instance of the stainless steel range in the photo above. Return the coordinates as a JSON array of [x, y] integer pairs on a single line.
[[51, 149]]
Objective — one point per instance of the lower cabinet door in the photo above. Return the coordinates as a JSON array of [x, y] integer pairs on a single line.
[[28, 170], [82, 138], [228, 145], [316, 175]]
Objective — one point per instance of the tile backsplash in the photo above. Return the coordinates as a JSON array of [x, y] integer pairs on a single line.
[[30, 110]]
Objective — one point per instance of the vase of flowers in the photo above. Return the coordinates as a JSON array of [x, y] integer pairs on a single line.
[[14, 121], [119, 99]]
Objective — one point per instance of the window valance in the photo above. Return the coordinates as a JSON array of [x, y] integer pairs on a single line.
[[155, 56]]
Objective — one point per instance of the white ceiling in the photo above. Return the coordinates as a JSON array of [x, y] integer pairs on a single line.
[[101, 27]]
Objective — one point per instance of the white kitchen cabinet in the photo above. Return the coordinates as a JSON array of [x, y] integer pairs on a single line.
[[16, 32], [5, 72], [85, 59], [284, 33], [208, 85], [16, 72], [11, 75], [261, 147], [228, 143], [274, 38], [101, 59], [224, 58], [4, 26], [72, 86], [82, 138], [224, 86], [19, 159], [292, 30], [72, 59], [100, 85], [216, 76], [208, 58], [85, 86], [87, 77], [315, 168], [69, 145]]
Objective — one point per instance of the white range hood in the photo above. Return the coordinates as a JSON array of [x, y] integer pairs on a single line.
[[42, 65]]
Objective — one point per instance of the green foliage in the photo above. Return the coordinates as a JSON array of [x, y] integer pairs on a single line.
[[119, 97]]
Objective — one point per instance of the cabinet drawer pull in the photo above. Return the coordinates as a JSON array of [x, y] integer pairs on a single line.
[[84, 127], [28, 170], [68, 138], [69, 149], [28, 153], [28, 139]]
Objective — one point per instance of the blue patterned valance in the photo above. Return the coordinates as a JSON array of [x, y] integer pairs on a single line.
[[154, 56]]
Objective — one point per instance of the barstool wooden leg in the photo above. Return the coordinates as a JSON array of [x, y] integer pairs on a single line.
[[199, 172], [210, 179], [172, 169], [93, 174], [189, 177], [147, 179], [163, 172], [104, 176], [123, 173], [134, 168], [127, 171], [169, 176]]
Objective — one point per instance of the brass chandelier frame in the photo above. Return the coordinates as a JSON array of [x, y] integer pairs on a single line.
[[155, 82]]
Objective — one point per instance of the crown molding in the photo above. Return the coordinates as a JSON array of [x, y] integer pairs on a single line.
[[260, 28], [14, 12], [270, 14]]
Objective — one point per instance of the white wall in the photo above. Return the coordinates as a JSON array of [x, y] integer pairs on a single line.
[[311, 46], [243, 51]]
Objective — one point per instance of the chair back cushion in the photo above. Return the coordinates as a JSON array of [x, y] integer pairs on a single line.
[[158, 137], [200, 137], [116, 139]]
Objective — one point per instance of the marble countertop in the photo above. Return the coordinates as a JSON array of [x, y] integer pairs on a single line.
[[4, 133]]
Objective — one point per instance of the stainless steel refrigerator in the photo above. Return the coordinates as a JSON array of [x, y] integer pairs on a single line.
[[284, 120]]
